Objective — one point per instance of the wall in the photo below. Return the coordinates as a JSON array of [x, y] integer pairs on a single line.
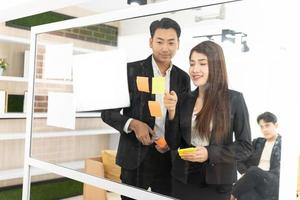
[[102, 34], [54, 149], [14, 55]]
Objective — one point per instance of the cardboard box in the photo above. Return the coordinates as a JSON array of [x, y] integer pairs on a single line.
[[111, 170], [94, 166]]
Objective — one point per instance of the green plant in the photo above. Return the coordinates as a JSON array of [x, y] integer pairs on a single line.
[[3, 64]]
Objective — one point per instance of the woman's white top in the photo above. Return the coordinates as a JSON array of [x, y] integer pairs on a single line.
[[265, 158], [195, 138]]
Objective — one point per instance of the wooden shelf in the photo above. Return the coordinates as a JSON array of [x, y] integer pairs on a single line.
[[14, 39], [20, 40], [51, 134], [60, 82], [25, 80], [13, 116], [44, 115], [13, 79]]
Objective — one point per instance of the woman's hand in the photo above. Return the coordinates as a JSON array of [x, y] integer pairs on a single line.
[[200, 155], [170, 101]]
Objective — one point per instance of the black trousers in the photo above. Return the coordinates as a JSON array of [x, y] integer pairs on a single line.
[[154, 172], [256, 184], [194, 192], [196, 189]]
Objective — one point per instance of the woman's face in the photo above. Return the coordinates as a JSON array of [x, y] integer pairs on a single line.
[[199, 69]]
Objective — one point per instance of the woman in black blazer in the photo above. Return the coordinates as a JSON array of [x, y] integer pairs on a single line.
[[207, 119]]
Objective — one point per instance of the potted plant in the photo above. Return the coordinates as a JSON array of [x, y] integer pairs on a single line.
[[3, 65]]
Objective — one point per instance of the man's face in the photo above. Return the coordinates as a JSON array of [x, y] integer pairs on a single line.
[[268, 129], [164, 45]]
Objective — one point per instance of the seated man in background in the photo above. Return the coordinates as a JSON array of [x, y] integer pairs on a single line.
[[260, 172]]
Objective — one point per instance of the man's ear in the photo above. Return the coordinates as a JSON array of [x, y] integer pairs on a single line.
[[276, 125], [151, 42], [178, 44]]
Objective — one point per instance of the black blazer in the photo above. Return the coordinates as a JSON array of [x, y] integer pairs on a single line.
[[131, 152], [253, 160], [221, 165]]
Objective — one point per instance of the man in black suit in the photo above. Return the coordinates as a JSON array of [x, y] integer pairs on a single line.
[[143, 163], [261, 171]]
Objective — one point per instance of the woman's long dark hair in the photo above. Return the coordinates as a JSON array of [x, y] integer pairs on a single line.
[[216, 100]]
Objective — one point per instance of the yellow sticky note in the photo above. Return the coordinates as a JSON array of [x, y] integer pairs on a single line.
[[161, 142], [186, 150], [142, 83], [154, 108], [158, 85]]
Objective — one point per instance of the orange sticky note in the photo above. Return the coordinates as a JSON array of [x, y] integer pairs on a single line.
[[154, 108], [158, 85], [142, 84], [161, 142]]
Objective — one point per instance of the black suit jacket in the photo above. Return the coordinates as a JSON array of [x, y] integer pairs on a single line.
[[221, 165], [130, 151]]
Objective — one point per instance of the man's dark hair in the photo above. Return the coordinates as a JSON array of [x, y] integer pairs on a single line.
[[165, 23], [267, 117]]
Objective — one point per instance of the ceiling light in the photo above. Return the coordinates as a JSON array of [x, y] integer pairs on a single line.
[[245, 47], [136, 2], [228, 35]]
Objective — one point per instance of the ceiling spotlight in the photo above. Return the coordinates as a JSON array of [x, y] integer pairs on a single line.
[[245, 47], [228, 35], [210, 37], [136, 2]]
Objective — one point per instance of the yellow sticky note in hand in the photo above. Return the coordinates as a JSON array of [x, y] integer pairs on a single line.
[[142, 83], [154, 108], [186, 150], [158, 85]]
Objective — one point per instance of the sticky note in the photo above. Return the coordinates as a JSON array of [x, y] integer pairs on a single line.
[[61, 110], [161, 142], [111, 81], [186, 150], [154, 108], [142, 83], [158, 85], [58, 61]]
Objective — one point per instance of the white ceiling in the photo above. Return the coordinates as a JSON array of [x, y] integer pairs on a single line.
[[14, 9], [100, 6], [22, 8]]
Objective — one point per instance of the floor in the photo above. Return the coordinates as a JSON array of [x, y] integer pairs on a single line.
[[109, 195]]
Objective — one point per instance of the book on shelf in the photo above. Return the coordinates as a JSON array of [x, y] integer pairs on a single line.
[[26, 64], [15, 103], [25, 101], [2, 101]]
